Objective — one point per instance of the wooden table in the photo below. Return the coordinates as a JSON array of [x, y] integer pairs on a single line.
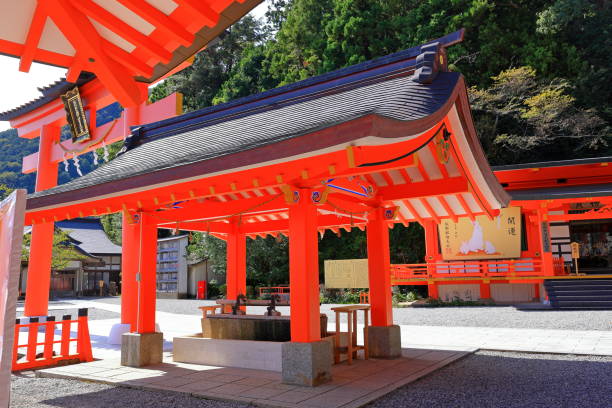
[[352, 347], [209, 310]]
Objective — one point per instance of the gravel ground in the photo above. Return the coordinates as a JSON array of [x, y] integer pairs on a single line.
[[494, 379], [29, 392], [93, 313], [484, 379], [496, 316]]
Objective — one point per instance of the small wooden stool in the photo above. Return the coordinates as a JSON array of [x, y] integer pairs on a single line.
[[209, 310], [352, 347]]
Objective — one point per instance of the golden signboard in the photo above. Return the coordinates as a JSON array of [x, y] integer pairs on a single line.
[[346, 274], [482, 238], [75, 116]]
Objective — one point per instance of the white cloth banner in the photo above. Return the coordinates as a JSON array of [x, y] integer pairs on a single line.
[[12, 213]]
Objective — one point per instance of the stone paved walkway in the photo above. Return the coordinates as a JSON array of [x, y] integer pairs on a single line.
[[588, 342], [352, 386]]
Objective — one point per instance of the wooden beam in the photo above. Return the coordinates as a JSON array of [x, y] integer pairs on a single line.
[[119, 27], [453, 185], [127, 59], [160, 20], [82, 35], [31, 44], [202, 9]]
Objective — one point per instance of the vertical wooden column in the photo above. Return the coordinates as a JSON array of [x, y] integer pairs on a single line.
[[130, 238], [432, 255], [41, 245], [545, 243], [236, 262], [304, 268], [147, 274], [379, 264]]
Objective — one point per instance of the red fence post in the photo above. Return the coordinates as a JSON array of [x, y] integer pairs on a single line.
[[83, 341], [49, 336], [16, 344], [65, 344], [32, 339]]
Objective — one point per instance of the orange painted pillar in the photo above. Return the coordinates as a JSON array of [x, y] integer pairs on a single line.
[[130, 238], [41, 246], [378, 268], [545, 243], [147, 274], [304, 268], [236, 262], [432, 254]]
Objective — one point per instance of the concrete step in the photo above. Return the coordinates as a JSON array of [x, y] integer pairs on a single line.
[[573, 292], [559, 304]]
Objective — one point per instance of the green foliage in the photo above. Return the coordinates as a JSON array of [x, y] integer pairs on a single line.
[[519, 118], [341, 296], [201, 82], [13, 149], [5, 191], [111, 223], [399, 297], [64, 250]]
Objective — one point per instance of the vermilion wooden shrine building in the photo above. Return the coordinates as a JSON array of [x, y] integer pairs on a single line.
[[383, 142]]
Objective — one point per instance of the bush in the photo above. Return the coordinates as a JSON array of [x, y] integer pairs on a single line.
[[212, 290], [400, 297], [456, 301], [348, 296]]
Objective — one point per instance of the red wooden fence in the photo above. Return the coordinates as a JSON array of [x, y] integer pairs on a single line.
[[50, 352]]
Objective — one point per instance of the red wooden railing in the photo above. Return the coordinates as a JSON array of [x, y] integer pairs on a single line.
[[507, 268], [274, 290], [45, 353]]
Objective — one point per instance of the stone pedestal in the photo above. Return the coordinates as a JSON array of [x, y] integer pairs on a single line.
[[385, 342], [307, 364], [138, 350]]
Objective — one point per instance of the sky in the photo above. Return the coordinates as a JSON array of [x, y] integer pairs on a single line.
[[17, 88]]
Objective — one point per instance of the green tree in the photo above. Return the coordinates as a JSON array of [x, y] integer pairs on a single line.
[[200, 82], [64, 250], [520, 119], [5, 191]]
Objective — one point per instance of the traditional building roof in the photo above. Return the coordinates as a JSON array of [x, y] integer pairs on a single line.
[[391, 108], [49, 93], [124, 43], [89, 236]]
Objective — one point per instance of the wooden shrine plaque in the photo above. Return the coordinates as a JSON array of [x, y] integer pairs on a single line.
[[75, 116], [346, 274], [483, 238]]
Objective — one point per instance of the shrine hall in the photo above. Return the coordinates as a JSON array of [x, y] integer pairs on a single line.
[[387, 141]]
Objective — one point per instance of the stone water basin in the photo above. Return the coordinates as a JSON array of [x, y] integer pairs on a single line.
[[251, 327]]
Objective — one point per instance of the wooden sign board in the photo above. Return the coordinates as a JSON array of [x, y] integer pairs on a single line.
[[75, 116], [483, 238], [346, 274], [575, 250]]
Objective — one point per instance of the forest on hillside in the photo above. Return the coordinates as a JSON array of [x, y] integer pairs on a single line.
[[539, 72]]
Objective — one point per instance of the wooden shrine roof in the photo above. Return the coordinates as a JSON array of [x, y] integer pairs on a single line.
[[213, 144], [375, 124], [49, 93], [123, 42]]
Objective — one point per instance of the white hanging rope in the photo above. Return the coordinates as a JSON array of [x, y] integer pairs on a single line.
[[77, 165]]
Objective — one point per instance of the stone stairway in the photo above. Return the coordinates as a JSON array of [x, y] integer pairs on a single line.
[[579, 293]]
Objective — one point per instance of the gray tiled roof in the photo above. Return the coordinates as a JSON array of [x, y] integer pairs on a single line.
[[399, 98], [90, 235]]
